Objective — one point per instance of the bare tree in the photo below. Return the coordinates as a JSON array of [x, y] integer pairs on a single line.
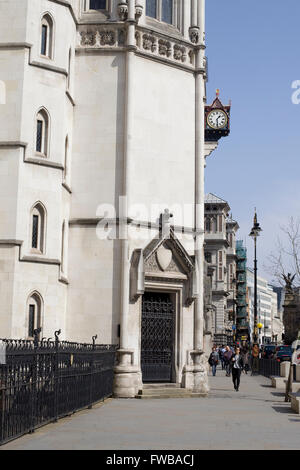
[[286, 257]]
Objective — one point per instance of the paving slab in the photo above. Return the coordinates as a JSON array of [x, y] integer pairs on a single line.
[[255, 418]]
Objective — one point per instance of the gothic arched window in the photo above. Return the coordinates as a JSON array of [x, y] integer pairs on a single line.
[[42, 132], [34, 313], [46, 48], [38, 223]]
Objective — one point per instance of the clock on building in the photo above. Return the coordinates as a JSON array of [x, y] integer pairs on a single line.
[[217, 120]]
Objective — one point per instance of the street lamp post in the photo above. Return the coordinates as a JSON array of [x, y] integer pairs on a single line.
[[255, 231]]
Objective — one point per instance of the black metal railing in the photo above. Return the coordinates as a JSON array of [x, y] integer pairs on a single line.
[[269, 367], [42, 381]]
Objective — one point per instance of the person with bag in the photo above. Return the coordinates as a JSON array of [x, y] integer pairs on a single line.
[[213, 360]]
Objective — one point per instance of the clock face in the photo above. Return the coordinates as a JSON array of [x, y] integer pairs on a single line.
[[217, 119]]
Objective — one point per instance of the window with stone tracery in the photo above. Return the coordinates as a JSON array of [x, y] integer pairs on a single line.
[[38, 223], [42, 133], [46, 42], [34, 314]]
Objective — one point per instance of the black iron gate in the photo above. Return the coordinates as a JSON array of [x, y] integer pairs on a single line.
[[158, 333]]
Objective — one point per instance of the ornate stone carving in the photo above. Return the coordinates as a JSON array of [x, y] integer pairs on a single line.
[[179, 53], [151, 264], [107, 38], [149, 42], [164, 48], [88, 39], [138, 39], [192, 57], [121, 37], [194, 34], [138, 12], [123, 11], [164, 257]]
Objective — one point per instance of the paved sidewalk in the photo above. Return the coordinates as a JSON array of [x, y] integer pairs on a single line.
[[256, 417]]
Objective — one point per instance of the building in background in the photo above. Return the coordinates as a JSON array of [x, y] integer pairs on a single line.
[[220, 233], [242, 318], [267, 309], [277, 327]]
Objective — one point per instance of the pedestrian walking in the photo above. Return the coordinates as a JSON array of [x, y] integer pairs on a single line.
[[245, 356], [213, 360], [227, 360], [221, 354], [236, 369], [255, 359]]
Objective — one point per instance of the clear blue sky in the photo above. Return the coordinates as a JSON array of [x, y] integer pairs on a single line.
[[253, 51]]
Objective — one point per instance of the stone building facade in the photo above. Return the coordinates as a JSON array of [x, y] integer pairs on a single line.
[[220, 254], [102, 157]]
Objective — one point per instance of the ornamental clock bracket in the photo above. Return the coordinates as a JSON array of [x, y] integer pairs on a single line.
[[217, 124]]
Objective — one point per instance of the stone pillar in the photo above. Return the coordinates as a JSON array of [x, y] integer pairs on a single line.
[[200, 371], [126, 374]]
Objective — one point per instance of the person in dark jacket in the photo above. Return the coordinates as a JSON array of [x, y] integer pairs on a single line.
[[237, 365], [227, 360], [213, 360]]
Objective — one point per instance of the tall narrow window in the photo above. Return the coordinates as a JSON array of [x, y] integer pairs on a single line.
[[31, 320], [44, 39], [66, 158], [97, 4], [34, 314], [35, 231], [39, 135], [220, 221], [42, 133], [62, 264], [46, 47], [167, 11], [69, 68], [38, 228], [220, 267], [151, 8]]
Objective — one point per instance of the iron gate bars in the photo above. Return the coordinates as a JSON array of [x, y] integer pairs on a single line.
[[269, 367], [158, 336], [42, 381]]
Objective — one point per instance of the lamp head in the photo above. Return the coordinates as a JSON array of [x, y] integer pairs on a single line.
[[255, 231]]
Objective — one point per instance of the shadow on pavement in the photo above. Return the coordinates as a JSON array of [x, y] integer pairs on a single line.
[[282, 409], [278, 394]]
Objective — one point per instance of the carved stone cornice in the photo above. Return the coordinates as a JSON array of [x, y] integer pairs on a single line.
[[150, 44]]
